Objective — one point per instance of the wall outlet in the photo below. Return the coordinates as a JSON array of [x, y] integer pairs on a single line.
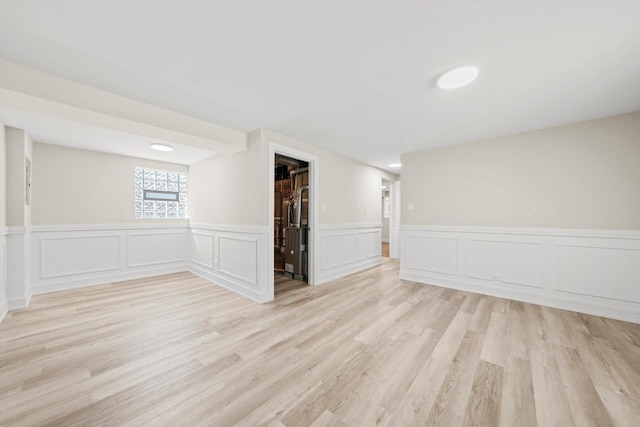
[[410, 206], [496, 277]]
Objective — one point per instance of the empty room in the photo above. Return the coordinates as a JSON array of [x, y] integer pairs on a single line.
[[319, 213]]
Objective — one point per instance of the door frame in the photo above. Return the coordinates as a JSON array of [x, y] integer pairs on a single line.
[[312, 240]]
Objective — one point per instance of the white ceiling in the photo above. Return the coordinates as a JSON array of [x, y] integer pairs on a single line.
[[56, 131], [355, 77]]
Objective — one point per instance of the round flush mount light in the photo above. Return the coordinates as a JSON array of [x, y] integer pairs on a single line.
[[458, 77], [162, 147], [395, 165]]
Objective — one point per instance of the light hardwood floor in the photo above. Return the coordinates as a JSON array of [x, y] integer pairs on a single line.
[[365, 350]]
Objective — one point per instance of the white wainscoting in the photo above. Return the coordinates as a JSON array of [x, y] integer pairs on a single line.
[[589, 271], [17, 249], [3, 274], [67, 257], [235, 257], [347, 248]]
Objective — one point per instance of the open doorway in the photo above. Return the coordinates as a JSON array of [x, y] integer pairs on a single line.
[[291, 218], [309, 216], [386, 216]]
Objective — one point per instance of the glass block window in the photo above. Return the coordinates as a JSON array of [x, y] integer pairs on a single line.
[[160, 194]]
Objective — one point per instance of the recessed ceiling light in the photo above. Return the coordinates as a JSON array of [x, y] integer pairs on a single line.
[[458, 77], [395, 165], [162, 147]]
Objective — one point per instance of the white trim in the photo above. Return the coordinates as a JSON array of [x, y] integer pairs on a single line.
[[17, 230], [238, 287], [43, 255], [103, 227], [254, 252], [314, 190], [3, 231], [232, 279], [601, 282], [337, 258], [65, 285], [595, 308], [19, 303], [350, 226], [76, 273], [4, 309], [77, 277], [182, 259], [613, 234], [250, 229], [338, 273]]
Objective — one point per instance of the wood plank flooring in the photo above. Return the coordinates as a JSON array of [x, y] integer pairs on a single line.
[[360, 351]]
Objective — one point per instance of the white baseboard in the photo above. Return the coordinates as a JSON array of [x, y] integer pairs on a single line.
[[589, 271], [65, 285], [228, 283], [351, 269], [4, 308], [18, 303], [612, 311]]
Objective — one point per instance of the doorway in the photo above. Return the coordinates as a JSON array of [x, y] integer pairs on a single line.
[[291, 217], [294, 160]]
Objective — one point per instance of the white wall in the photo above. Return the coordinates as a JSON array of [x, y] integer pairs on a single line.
[[3, 222], [550, 217], [19, 150], [19, 147], [584, 175], [229, 188], [72, 186], [3, 177], [229, 213]]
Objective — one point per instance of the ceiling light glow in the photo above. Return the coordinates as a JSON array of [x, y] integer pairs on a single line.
[[395, 165], [458, 77], [162, 147]]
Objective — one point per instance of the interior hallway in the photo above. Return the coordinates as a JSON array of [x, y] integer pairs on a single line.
[[363, 350]]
